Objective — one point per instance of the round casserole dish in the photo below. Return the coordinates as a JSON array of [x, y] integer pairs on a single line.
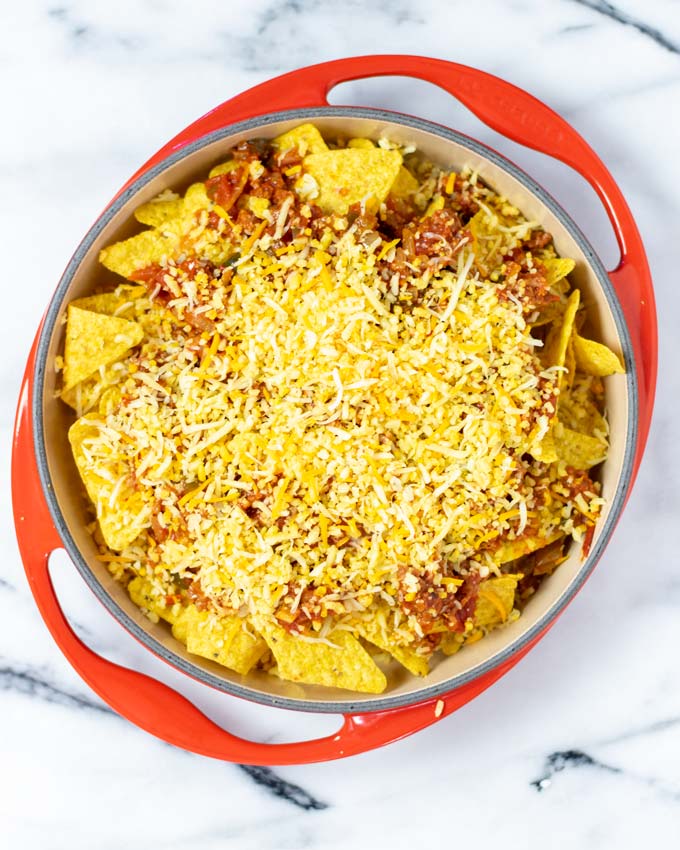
[[50, 512]]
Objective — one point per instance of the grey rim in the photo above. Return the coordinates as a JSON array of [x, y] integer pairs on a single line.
[[343, 706]]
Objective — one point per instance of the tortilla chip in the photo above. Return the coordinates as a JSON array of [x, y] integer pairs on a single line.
[[579, 450], [451, 643], [496, 601], [577, 409], [555, 349], [109, 400], [349, 176], [405, 184], [544, 449], [557, 269], [554, 353], [140, 251], [220, 639], [163, 241], [86, 394], [119, 302], [550, 313], [180, 628], [94, 340], [305, 138], [510, 550], [569, 364], [145, 596], [127, 301], [195, 199], [155, 213], [362, 144], [593, 358], [125, 519], [344, 665], [371, 631]]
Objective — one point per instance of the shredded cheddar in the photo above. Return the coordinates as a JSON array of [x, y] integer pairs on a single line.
[[330, 421]]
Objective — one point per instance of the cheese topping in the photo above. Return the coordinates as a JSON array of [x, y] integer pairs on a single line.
[[320, 432]]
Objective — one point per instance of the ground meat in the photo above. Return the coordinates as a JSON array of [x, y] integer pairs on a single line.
[[247, 221], [286, 159], [196, 595], [308, 611], [154, 275], [252, 150], [462, 200], [433, 606], [442, 226], [525, 281], [271, 183], [397, 214], [538, 240]]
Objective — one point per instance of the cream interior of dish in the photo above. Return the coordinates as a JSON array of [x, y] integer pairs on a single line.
[[464, 664]]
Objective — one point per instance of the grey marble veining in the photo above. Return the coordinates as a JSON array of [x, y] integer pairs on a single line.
[[578, 746]]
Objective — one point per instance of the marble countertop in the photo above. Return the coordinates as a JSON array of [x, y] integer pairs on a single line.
[[579, 746]]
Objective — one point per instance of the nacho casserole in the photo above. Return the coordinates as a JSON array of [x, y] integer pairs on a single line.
[[339, 408]]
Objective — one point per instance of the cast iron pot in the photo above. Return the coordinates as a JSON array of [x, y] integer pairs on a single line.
[[50, 512]]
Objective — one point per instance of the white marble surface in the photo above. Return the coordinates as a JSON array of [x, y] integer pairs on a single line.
[[89, 90]]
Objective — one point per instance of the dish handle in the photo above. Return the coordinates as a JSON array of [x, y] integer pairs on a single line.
[[508, 110], [152, 705]]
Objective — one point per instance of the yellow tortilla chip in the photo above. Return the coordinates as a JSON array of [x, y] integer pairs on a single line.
[[123, 512], [405, 184], [109, 400], [555, 349], [86, 394], [155, 213], [555, 354], [94, 340], [195, 199], [365, 144], [495, 601], [346, 664], [127, 301], [137, 252], [180, 628], [349, 176], [510, 550], [569, 364], [305, 138], [550, 313], [577, 409], [451, 643], [372, 631], [165, 240], [144, 595], [220, 639], [593, 358], [544, 449], [119, 302], [581, 451], [557, 269]]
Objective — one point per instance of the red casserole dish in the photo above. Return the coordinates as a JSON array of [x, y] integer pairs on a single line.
[[48, 513]]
